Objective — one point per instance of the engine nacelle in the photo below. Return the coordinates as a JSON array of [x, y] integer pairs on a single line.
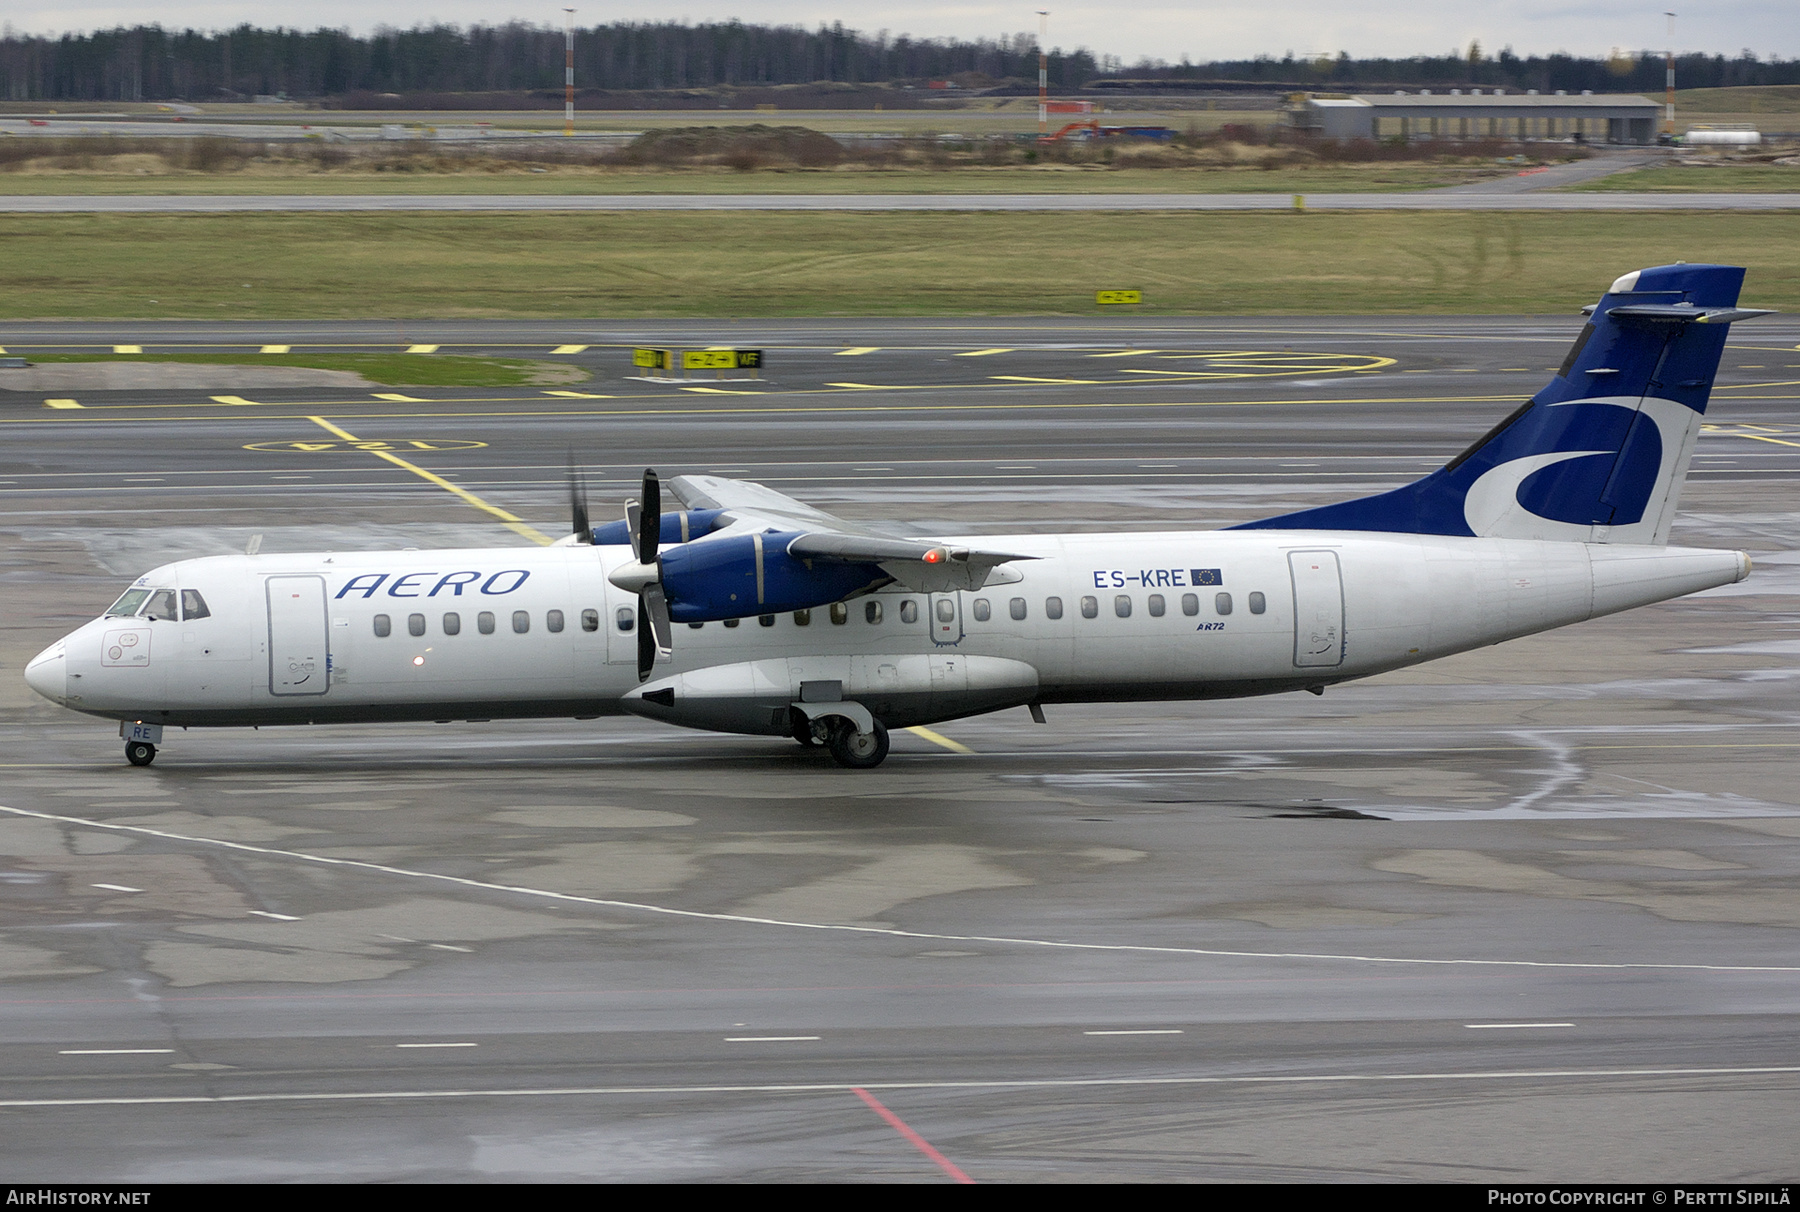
[[681, 526], [733, 578]]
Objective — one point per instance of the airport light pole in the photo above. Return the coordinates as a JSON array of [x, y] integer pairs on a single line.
[[1043, 73], [569, 73], [1669, 81]]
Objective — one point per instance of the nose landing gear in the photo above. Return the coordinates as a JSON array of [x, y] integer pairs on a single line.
[[140, 753]]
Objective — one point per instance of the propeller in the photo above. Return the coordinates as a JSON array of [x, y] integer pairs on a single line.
[[578, 510], [655, 634]]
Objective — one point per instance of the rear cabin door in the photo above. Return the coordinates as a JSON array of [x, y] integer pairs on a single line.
[[299, 659], [1318, 609]]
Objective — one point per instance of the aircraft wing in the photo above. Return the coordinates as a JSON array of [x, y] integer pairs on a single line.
[[919, 564]]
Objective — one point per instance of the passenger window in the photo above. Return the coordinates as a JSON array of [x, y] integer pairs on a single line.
[[162, 605], [193, 606], [802, 618], [521, 622], [946, 610], [1090, 608], [452, 623], [872, 612], [590, 620], [1190, 604], [415, 624], [384, 626], [982, 610], [627, 619], [553, 620], [765, 620], [1122, 605], [1053, 608], [732, 622], [909, 611], [1258, 603], [1156, 605], [484, 622], [1222, 603], [840, 614], [1017, 608]]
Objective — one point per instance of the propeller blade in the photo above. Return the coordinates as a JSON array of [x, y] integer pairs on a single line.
[[656, 614], [646, 640], [649, 525], [631, 523], [578, 510]]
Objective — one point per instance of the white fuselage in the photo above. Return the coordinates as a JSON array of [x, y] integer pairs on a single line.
[[473, 634]]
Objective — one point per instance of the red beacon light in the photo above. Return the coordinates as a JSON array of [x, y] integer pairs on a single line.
[[937, 555]]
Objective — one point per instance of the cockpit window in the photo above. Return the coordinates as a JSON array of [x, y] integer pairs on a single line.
[[161, 605], [128, 602], [193, 606]]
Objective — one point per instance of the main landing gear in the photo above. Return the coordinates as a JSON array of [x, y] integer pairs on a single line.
[[857, 750], [849, 745], [140, 753]]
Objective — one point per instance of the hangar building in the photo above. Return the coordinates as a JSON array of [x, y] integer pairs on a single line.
[[1477, 114]]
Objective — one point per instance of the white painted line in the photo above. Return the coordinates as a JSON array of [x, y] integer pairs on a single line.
[[280, 917], [1511, 1026], [982, 353], [449, 947], [115, 887], [437, 1045], [113, 1051], [858, 351], [1095, 1083], [1146, 1031], [744, 919], [768, 1039]]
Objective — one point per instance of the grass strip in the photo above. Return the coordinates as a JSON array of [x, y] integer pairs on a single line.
[[398, 370], [757, 264]]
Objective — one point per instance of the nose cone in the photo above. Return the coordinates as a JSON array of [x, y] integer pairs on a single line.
[[48, 674]]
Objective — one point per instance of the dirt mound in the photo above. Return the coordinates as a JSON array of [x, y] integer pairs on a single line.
[[742, 147]]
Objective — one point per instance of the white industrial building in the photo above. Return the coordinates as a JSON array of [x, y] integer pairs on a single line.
[[1477, 114]]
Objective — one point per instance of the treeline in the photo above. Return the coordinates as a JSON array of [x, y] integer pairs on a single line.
[[1642, 72], [149, 63]]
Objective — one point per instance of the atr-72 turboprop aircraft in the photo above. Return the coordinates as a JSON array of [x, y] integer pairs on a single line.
[[799, 624]]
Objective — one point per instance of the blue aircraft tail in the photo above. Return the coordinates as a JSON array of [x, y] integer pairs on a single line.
[[1597, 456]]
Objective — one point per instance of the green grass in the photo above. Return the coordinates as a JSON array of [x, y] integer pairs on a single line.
[[1700, 179], [731, 264], [1333, 179], [399, 370]]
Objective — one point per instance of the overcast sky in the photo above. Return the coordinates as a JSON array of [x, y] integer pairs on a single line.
[[1201, 29]]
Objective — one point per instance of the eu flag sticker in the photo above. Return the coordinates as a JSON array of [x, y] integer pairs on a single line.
[[1205, 576]]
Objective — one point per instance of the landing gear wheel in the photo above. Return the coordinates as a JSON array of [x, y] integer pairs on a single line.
[[140, 753], [858, 750]]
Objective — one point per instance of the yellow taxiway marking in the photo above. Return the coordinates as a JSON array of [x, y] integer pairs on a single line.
[[872, 386], [857, 351], [938, 738], [399, 399], [237, 400], [1756, 386], [61, 404], [1757, 437], [724, 391], [982, 353], [2, 349], [511, 521], [577, 395], [122, 349], [1035, 379], [1127, 353], [421, 349], [277, 348], [568, 349]]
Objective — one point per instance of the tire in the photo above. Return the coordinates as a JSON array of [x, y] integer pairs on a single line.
[[859, 750], [139, 753]]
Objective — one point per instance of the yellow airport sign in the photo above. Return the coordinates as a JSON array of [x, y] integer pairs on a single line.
[[653, 359], [709, 359], [1118, 296]]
